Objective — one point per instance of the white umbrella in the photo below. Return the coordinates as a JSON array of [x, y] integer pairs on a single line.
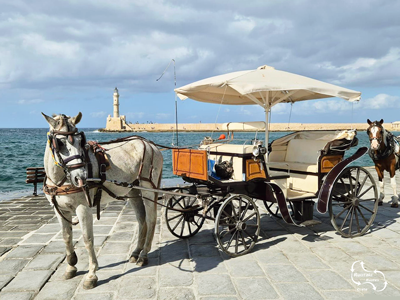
[[264, 86]]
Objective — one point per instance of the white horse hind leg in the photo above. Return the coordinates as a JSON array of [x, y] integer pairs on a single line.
[[137, 204], [72, 259], [85, 217], [395, 197], [151, 220]]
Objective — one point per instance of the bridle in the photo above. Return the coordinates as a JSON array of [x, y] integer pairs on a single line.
[[380, 139], [59, 188], [55, 145]]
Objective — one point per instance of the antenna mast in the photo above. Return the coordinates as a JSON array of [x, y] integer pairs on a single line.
[[176, 102]]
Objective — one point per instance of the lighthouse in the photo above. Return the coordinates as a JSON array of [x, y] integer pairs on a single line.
[[116, 122], [116, 103]]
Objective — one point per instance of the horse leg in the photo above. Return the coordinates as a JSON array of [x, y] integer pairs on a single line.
[[85, 217], [395, 197], [151, 220], [137, 204], [72, 259], [381, 185]]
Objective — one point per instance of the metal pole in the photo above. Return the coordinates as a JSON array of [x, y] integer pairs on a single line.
[[266, 109], [176, 109], [176, 102]]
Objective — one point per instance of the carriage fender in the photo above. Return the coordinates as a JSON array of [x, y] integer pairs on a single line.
[[281, 201], [326, 188]]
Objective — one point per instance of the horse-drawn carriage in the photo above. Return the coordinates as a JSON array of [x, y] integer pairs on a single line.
[[287, 174], [301, 167]]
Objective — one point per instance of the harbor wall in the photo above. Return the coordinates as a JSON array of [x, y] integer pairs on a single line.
[[205, 127]]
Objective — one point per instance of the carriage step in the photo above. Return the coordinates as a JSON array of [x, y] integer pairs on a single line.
[[303, 210]]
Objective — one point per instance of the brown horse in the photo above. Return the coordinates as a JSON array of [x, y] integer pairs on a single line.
[[384, 152]]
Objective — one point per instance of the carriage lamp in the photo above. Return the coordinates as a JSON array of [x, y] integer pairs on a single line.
[[256, 151], [259, 150]]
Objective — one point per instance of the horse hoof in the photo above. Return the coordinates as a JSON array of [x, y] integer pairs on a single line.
[[70, 274], [380, 203], [142, 261], [133, 259], [395, 205], [90, 283]]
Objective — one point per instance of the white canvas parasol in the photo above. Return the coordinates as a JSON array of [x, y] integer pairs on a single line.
[[264, 86]]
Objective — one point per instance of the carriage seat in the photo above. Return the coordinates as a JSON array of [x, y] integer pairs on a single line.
[[299, 155], [229, 152]]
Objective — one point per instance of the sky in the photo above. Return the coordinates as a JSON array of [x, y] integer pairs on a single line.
[[68, 56]]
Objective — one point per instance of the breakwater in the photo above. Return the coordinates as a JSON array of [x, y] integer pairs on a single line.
[[221, 127]]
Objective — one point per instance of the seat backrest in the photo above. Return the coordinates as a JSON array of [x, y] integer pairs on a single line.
[[304, 151]]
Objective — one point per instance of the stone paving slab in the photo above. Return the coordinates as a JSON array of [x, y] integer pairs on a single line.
[[287, 263]]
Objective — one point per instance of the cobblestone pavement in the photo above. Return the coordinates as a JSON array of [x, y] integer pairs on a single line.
[[288, 262]]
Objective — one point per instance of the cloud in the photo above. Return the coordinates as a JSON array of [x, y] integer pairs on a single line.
[[99, 114], [245, 111], [95, 43], [132, 116], [380, 101], [31, 101], [161, 116]]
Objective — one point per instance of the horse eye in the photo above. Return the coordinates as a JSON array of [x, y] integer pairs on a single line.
[[60, 143]]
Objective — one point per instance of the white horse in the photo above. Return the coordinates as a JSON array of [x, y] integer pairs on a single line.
[[67, 167]]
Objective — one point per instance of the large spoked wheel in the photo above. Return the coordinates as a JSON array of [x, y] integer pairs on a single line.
[[353, 203], [237, 225], [188, 220]]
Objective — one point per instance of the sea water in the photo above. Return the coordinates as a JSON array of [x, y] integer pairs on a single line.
[[22, 148]]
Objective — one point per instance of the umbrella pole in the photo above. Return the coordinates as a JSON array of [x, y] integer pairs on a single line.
[[266, 109]]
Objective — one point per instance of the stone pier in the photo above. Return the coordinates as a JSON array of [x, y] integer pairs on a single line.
[[288, 262]]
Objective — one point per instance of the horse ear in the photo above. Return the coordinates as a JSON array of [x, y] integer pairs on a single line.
[[50, 120], [369, 122], [381, 121], [77, 119]]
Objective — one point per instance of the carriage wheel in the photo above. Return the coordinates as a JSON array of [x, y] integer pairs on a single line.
[[273, 209], [187, 223], [353, 203], [237, 225]]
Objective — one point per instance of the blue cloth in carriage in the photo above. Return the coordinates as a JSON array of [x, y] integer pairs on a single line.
[[211, 169]]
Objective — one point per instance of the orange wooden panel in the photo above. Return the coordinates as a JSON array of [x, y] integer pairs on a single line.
[[328, 162], [190, 163], [253, 170]]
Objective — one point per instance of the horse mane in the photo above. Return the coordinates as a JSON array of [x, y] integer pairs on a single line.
[[384, 135], [62, 119]]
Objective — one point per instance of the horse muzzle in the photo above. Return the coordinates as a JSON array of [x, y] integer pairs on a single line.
[[375, 144], [78, 181]]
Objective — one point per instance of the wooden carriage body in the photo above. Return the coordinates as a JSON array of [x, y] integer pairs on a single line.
[[297, 162]]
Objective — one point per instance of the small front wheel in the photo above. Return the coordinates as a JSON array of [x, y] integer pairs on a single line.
[[183, 215], [237, 225]]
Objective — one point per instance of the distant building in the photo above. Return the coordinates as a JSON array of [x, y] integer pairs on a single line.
[[396, 125], [116, 122]]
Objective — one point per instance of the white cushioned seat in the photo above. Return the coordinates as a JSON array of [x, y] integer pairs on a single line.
[[303, 167], [304, 151], [300, 155]]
